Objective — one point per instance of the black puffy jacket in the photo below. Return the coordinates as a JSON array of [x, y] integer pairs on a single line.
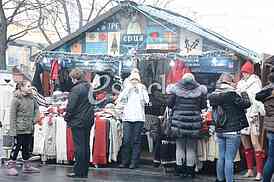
[[79, 111], [186, 102], [233, 106]]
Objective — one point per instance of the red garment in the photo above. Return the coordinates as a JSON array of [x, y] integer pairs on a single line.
[[100, 141], [54, 69], [248, 67], [70, 145], [177, 71], [46, 83], [102, 95]]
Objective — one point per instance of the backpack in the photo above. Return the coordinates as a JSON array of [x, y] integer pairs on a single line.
[[219, 116]]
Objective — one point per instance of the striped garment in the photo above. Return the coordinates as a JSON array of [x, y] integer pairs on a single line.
[[40, 99]]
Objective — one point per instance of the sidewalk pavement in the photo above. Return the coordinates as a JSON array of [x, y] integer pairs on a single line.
[[57, 173]]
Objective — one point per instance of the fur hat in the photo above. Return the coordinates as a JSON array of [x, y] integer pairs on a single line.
[[248, 67]]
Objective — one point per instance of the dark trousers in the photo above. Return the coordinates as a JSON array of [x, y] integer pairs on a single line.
[[22, 142], [131, 142], [81, 140], [269, 165], [157, 149]]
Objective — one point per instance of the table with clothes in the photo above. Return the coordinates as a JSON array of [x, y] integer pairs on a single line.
[[53, 140]]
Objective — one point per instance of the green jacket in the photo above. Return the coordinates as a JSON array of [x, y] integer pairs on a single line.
[[24, 110]]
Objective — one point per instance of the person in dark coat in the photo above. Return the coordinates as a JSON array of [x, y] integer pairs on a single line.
[[80, 118], [229, 117], [187, 100], [266, 95]]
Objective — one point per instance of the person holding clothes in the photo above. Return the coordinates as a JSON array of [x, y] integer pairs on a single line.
[[80, 118], [252, 84], [266, 95], [134, 96], [23, 115], [187, 99], [229, 118]]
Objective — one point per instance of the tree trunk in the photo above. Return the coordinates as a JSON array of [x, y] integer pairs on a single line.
[[3, 38]]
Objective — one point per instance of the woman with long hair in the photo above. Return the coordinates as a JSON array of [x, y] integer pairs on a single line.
[[23, 114]]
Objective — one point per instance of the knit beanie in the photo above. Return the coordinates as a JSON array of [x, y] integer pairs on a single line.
[[134, 76], [188, 78], [248, 67]]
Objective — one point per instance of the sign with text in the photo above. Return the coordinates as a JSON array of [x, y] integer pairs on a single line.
[[190, 43], [132, 42], [212, 64]]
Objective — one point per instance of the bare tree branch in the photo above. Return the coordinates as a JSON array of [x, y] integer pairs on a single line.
[[103, 8], [63, 2], [5, 3], [91, 10], [15, 12], [80, 11], [23, 32], [40, 23], [167, 3]]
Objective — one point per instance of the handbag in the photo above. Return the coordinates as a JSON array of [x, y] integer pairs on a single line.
[[166, 122]]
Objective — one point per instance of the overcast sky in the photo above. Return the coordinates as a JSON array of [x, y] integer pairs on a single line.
[[248, 22]]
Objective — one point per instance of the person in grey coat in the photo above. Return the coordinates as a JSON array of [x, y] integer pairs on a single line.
[[23, 114]]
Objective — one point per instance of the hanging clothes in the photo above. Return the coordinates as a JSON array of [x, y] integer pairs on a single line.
[[116, 138], [54, 69], [36, 81], [50, 142], [92, 135], [177, 71], [70, 145], [46, 83], [6, 94], [61, 140], [101, 142], [39, 139]]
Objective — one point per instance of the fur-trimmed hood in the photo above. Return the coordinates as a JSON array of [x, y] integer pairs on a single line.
[[189, 90]]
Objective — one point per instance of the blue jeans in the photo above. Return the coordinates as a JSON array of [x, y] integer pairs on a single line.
[[269, 165], [228, 147], [131, 142]]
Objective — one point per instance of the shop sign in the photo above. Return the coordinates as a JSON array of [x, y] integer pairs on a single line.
[[212, 64], [97, 43], [133, 38], [190, 43], [160, 38], [109, 27]]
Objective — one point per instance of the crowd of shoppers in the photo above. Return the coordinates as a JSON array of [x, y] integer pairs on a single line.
[[237, 108]]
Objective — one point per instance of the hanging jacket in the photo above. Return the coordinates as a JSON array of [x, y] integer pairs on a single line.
[[265, 96], [79, 112], [177, 72], [233, 106], [186, 101], [23, 112]]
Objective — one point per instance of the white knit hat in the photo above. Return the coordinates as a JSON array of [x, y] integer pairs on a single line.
[[135, 76]]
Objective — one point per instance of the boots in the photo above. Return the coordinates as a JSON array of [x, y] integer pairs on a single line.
[[260, 157], [11, 168], [28, 168], [249, 157], [219, 181], [178, 170], [190, 172]]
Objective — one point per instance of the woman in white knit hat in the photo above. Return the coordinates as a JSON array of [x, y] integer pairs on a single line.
[[135, 96]]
